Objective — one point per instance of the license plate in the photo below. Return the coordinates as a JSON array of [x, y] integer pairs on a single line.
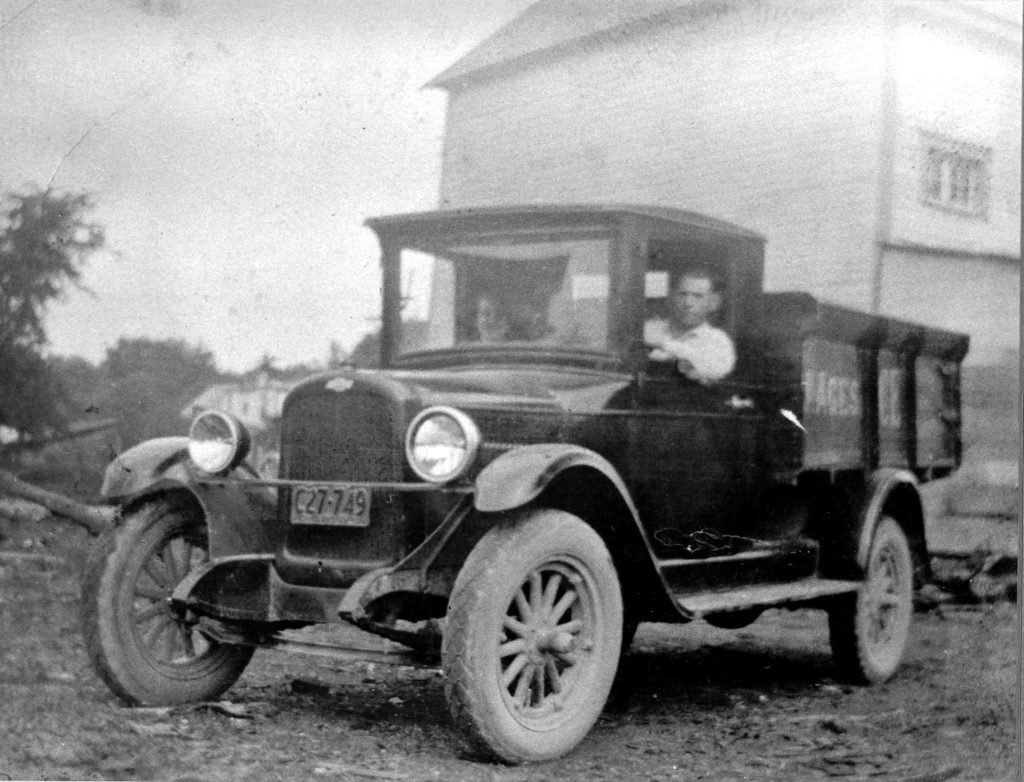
[[340, 507]]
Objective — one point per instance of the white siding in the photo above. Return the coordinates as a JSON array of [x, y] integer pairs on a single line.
[[981, 299], [964, 86], [767, 115]]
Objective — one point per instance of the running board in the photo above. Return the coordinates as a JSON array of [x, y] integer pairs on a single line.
[[385, 653], [768, 596]]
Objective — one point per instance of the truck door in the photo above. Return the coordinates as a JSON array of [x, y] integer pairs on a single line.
[[696, 464], [695, 460]]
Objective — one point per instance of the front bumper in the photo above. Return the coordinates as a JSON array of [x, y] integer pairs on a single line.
[[248, 588]]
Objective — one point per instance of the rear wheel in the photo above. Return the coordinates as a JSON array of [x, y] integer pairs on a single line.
[[141, 648], [533, 637], [869, 630]]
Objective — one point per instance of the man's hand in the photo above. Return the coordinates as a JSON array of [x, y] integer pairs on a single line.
[[660, 354]]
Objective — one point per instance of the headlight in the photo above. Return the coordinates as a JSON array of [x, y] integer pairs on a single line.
[[217, 441], [441, 444]]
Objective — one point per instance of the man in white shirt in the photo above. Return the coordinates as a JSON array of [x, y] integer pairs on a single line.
[[702, 352]]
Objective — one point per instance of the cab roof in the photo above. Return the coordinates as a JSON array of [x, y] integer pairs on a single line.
[[666, 217]]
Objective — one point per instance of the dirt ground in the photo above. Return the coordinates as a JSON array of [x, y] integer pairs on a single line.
[[691, 703]]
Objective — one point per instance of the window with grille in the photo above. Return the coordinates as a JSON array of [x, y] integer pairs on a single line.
[[956, 176]]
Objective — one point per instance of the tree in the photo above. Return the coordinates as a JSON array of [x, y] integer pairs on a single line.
[[366, 353], [83, 386], [45, 240], [336, 357], [151, 381]]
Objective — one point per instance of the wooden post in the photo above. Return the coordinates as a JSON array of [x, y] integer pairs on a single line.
[[94, 518]]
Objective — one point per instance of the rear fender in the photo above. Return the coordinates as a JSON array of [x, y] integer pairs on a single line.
[[893, 492], [240, 519], [849, 510], [584, 483]]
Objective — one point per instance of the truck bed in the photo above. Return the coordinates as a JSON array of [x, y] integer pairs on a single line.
[[858, 391]]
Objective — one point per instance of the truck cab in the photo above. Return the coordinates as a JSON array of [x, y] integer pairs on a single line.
[[519, 484]]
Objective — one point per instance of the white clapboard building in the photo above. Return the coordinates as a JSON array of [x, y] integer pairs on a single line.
[[876, 144]]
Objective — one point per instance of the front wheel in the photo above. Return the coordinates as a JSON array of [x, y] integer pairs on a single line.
[[533, 637], [141, 648], [869, 630]]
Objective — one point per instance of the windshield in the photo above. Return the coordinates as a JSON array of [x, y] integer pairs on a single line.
[[527, 290]]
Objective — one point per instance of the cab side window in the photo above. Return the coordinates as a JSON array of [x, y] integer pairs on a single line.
[[682, 299]]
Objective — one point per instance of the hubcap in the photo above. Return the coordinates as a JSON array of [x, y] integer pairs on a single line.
[[546, 639]]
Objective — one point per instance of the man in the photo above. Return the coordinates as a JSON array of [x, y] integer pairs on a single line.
[[491, 322], [702, 352]]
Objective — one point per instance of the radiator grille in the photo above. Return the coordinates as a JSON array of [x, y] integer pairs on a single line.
[[342, 437]]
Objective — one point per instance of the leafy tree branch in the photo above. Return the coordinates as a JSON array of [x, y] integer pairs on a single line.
[[45, 240]]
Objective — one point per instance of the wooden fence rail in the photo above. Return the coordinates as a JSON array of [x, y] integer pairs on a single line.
[[94, 518]]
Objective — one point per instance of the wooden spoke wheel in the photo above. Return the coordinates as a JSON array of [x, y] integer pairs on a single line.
[[869, 631], [533, 637], [144, 650]]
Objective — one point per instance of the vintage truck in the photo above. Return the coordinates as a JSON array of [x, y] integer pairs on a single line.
[[517, 500]]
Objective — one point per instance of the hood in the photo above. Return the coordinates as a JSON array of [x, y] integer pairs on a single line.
[[354, 422], [518, 387], [522, 388]]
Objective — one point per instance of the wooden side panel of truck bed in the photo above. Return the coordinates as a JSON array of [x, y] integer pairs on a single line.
[[856, 391]]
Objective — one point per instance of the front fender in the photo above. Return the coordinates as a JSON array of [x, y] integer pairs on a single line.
[[240, 519], [521, 475], [148, 465]]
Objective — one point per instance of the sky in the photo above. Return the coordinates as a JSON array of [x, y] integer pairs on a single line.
[[233, 149]]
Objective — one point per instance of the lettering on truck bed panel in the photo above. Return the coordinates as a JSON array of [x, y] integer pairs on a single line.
[[832, 404], [892, 444]]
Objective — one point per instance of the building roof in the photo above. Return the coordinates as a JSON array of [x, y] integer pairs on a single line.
[[552, 25], [211, 398], [259, 397]]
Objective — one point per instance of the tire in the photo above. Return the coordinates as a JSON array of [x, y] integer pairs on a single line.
[[144, 652], [533, 637], [869, 630]]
